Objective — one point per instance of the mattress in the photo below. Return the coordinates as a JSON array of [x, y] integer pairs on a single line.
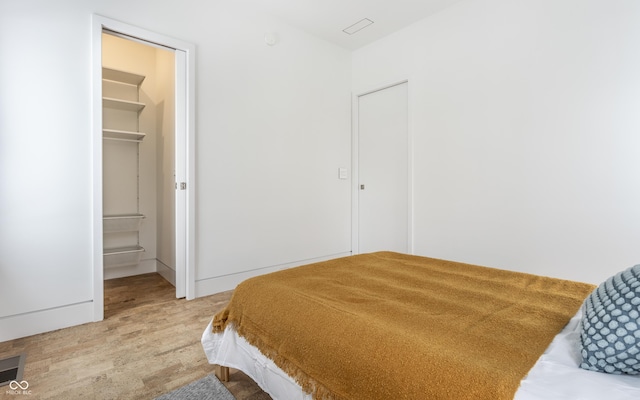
[[556, 375]]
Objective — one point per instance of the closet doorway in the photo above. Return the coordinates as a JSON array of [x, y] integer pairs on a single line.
[[138, 204], [143, 157]]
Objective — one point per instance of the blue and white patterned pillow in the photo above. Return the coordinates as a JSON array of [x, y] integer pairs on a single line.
[[610, 331]]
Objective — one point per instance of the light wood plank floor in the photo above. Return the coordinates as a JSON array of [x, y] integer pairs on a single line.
[[147, 345]]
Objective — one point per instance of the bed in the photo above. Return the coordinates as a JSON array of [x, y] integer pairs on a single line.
[[389, 325]]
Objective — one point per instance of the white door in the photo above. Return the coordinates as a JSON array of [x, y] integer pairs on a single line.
[[181, 167], [383, 170]]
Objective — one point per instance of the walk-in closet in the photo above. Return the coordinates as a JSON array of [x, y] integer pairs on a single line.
[[138, 82]]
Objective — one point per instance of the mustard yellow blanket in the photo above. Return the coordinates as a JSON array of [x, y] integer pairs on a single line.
[[393, 326]]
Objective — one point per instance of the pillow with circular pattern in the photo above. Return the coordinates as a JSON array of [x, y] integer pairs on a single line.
[[610, 327]]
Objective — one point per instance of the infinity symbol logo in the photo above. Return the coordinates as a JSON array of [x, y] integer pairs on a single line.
[[14, 385]]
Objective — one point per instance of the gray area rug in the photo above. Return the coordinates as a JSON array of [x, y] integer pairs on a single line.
[[207, 388]]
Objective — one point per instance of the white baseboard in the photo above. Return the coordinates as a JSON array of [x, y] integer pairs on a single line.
[[166, 272], [206, 287], [144, 267], [22, 325]]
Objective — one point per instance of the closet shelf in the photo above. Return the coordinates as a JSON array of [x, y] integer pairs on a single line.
[[122, 76], [121, 95], [122, 256], [116, 134], [121, 223], [120, 104]]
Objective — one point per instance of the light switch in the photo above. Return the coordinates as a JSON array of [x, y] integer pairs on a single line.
[[343, 173]]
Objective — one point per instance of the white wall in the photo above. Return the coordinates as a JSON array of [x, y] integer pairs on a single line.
[[524, 115], [165, 169], [272, 129]]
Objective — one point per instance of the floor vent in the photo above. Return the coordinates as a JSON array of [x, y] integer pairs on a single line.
[[11, 369]]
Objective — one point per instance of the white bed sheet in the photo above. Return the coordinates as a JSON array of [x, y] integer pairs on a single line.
[[555, 376]]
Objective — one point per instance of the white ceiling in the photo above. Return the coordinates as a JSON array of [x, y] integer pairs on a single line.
[[327, 18]]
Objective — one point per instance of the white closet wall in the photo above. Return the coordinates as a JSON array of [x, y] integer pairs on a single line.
[[138, 175], [165, 165]]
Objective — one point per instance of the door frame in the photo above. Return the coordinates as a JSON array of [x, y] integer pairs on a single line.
[[185, 153], [355, 157]]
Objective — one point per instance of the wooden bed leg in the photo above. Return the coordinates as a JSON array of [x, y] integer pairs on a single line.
[[222, 373]]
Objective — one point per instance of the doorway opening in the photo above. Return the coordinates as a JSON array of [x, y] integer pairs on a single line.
[[138, 206], [143, 157]]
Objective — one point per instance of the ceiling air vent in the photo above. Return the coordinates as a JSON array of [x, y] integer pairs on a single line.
[[363, 23]]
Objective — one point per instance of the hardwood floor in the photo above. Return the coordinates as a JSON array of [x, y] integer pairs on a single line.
[[147, 345]]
